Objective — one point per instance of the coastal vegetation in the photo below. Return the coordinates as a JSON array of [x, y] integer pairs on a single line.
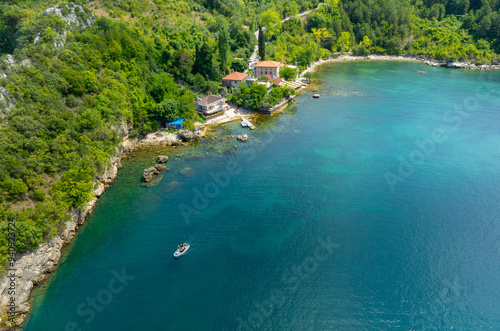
[[257, 96], [71, 81]]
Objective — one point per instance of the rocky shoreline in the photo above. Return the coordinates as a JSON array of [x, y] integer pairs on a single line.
[[430, 62], [33, 268]]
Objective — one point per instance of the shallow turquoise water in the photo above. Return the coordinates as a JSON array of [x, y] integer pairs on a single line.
[[373, 208]]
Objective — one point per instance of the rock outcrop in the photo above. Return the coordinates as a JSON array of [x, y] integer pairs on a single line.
[[159, 139], [149, 173], [461, 65], [30, 269], [72, 14], [153, 171]]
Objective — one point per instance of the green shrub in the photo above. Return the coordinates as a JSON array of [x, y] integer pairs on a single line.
[[15, 188], [72, 101], [37, 195], [133, 133]]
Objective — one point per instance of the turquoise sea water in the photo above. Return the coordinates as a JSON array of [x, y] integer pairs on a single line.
[[376, 207]]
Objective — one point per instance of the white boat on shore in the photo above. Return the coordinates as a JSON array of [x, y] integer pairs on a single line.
[[244, 124], [181, 250]]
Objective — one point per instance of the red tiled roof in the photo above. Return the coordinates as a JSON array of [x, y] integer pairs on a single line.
[[235, 76], [276, 81], [268, 64]]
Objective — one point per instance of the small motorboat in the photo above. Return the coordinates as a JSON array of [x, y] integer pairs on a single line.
[[181, 250], [316, 96], [244, 124]]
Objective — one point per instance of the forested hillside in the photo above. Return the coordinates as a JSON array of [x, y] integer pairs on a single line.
[[71, 77]]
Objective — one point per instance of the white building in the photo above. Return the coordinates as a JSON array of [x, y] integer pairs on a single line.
[[210, 106]]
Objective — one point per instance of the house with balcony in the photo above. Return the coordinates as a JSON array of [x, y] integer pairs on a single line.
[[210, 106]]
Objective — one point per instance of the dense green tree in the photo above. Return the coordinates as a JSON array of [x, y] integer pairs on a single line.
[[343, 43], [15, 188], [168, 110], [251, 97], [199, 81], [223, 43], [9, 25], [291, 9], [288, 73], [319, 36], [239, 65], [203, 60], [270, 21]]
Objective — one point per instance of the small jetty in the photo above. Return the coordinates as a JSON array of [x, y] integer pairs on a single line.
[[248, 123], [316, 96]]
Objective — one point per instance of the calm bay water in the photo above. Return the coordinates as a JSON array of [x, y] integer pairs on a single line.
[[374, 207]]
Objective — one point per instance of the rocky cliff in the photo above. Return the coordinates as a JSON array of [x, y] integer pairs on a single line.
[[33, 267], [36, 266]]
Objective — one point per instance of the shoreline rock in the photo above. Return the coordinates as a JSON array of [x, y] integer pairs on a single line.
[[186, 135]]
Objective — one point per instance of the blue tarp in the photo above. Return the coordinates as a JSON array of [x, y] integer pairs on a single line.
[[177, 123]]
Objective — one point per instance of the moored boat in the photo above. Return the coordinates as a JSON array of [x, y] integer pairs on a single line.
[[181, 250]]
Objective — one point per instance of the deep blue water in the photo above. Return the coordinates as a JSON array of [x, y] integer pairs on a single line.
[[373, 208]]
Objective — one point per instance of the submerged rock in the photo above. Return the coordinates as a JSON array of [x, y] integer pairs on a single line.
[[161, 167], [161, 159], [243, 138], [154, 181], [172, 186], [194, 158], [187, 171]]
